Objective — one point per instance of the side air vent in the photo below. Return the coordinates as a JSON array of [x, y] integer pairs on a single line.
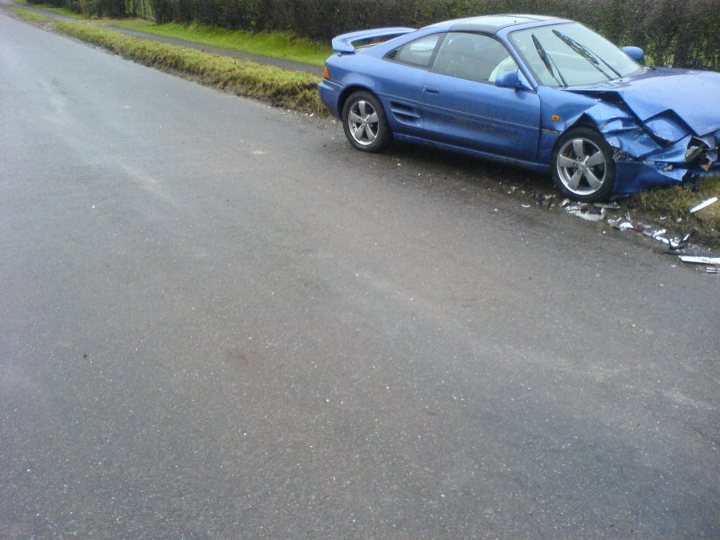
[[391, 55]]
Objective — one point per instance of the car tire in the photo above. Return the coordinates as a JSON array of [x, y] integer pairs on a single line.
[[364, 122], [583, 166]]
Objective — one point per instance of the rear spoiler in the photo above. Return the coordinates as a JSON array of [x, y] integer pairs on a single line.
[[343, 43]]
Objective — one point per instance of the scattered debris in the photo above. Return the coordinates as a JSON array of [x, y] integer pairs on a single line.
[[544, 199], [674, 243], [712, 270], [622, 223], [625, 224], [588, 212]]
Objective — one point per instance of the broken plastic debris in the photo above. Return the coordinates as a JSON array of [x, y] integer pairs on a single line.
[[673, 243], [621, 223], [699, 260], [545, 199], [655, 234], [704, 204], [586, 211]]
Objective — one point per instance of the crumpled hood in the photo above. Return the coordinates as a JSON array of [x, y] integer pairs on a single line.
[[694, 96], [664, 125]]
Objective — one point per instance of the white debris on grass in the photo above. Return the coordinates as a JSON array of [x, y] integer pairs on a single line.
[[704, 204]]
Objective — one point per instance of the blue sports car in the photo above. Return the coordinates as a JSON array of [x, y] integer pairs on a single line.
[[538, 92]]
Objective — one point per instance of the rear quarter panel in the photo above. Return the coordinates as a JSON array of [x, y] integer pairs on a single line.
[[396, 85]]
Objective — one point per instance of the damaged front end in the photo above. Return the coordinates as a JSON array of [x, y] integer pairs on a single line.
[[662, 150], [664, 127]]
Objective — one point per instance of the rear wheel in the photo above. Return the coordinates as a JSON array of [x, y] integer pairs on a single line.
[[364, 122], [582, 165]]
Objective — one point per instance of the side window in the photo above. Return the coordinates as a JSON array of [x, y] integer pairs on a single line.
[[472, 56], [416, 53]]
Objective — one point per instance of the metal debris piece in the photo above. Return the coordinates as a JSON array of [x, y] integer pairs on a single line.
[[685, 239], [608, 206], [565, 202], [704, 204], [699, 260]]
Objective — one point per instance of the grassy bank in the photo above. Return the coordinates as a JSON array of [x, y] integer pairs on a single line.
[[278, 87], [31, 16], [275, 44]]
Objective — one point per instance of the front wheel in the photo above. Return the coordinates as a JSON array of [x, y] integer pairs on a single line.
[[364, 122], [582, 165]]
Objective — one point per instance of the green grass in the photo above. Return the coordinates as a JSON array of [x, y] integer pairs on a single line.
[[676, 202], [275, 44], [276, 86], [31, 16], [59, 11]]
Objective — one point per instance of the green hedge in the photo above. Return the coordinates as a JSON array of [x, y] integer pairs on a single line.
[[681, 33]]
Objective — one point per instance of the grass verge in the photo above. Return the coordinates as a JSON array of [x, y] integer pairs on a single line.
[[675, 204], [31, 16], [275, 44], [276, 86], [60, 11]]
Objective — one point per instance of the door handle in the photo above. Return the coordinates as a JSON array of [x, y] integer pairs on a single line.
[[431, 90]]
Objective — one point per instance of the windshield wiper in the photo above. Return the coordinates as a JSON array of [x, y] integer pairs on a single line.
[[587, 54], [549, 63]]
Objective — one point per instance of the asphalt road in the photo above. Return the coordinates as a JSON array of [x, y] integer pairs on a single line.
[[218, 320]]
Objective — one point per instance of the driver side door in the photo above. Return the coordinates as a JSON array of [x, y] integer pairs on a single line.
[[462, 106]]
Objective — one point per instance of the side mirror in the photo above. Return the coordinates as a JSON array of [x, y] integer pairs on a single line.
[[636, 53], [511, 79]]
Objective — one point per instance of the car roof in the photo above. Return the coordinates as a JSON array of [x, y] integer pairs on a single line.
[[491, 24]]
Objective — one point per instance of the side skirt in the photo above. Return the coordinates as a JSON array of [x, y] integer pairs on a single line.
[[531, 165]]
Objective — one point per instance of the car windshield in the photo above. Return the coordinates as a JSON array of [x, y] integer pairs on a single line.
[[571, 55]]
